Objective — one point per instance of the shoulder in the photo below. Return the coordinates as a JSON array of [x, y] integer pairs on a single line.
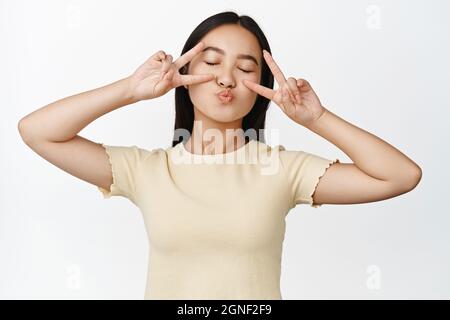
[[133, 154], [151, 154], [294, 161], [279, 151]]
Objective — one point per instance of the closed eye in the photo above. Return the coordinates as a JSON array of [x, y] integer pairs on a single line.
[[213, 64]]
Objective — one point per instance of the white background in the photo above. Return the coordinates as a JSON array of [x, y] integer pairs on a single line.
[[381, 65]]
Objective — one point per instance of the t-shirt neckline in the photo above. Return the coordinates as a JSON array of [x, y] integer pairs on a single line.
[[238, 151]]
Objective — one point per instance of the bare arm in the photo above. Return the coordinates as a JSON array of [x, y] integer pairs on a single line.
[[380, 171], [62, 120], [52, 131]]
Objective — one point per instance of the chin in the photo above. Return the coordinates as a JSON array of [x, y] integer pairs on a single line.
[[224, 116], [222, 113]]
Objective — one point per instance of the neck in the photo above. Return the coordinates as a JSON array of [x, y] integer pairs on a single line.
[[212, 137]]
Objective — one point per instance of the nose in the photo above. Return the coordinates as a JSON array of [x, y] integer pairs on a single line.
[[225, 85], [225, 79]]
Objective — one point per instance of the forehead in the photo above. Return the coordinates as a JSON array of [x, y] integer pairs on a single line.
[[234, 40]]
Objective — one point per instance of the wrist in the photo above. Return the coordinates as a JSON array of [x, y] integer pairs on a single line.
[[128, 90], [316, 123]]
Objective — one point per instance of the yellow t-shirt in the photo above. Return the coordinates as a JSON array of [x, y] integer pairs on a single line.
[[215, 223]]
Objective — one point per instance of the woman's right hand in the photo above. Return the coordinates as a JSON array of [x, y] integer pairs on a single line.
[[159, 74]]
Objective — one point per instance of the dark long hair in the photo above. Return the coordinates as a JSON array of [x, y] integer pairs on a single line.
[[184, 109]]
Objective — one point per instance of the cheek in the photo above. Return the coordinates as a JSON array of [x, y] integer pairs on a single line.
[[248, 96], [248, 93], [198, 68]]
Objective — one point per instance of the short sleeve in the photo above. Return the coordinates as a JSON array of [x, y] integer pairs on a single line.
[[303, 172], [124, 161]]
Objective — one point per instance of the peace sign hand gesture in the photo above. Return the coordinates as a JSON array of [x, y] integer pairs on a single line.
[[296, 98], [159, 74]]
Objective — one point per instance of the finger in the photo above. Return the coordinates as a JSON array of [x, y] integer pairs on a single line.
[[278, 99], [166, 64], [158, 56], [293, 88], [302, 84], [193, 79], [185, 58], [169, 75], [276, 71], [287, 103], [259, 89], [161, 55]]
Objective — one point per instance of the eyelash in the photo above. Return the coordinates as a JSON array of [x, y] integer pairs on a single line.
[[213, 64]]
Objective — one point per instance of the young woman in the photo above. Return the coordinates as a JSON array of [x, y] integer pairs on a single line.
[[216, 230]]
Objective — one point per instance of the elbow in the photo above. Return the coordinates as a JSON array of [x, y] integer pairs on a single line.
[[407, 181], [23, 129], [21, 125], [413, 178], [418, 176]]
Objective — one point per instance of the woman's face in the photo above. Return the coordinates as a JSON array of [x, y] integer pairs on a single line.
[[230, 68]]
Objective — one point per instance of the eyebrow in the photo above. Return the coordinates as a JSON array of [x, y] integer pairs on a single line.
[[240, 56]]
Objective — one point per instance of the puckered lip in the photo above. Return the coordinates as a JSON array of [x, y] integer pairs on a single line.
[[225, 93]]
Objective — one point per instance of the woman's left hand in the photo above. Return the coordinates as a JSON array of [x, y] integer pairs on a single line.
[[296, 98]]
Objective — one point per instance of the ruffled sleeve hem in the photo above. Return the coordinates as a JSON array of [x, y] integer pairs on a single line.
[[113, 188], [319, 170]]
